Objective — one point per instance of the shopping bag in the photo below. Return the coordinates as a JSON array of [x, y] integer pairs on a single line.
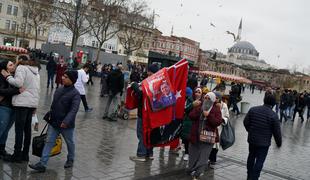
[[38, 143], [227, 137]]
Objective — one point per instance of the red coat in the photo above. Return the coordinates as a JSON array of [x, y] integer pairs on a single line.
[[213, 121], [60, 70]]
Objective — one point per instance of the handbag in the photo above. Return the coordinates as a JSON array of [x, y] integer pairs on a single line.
[[227, 137], [38, 143], [205, 135], [47, 116]]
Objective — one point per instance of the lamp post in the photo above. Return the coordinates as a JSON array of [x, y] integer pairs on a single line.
[[75, 32]]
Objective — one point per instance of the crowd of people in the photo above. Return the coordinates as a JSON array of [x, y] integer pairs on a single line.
[[205, 111]]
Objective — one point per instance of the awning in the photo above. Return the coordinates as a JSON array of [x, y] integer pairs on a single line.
[[12, 48], [226, 77]]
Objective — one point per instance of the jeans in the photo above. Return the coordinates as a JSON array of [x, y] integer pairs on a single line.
[[52, 134], [50, 78], [256, 159], [234, 104], [277, 108], [83, 98], [114, 99], [142, 151], [283, 114], [6, 122], [23, 118]]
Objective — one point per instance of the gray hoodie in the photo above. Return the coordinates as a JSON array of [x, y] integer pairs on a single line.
[[27, 77]]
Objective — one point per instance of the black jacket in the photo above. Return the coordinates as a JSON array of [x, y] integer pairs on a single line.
[[7, 91], [261, 123], [51, 66], [65, 105], [115, 81]]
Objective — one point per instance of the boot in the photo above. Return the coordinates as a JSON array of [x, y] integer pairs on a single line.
[[25, 156], [15, 157]]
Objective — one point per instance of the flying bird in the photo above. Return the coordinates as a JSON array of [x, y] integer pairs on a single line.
[[181, 5], [220, 5], [211, 24], [190, 26], [233, 34]]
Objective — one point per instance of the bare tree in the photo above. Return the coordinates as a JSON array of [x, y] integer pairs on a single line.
[[37, 15], [135, 27], [73, 17], [103, 19]]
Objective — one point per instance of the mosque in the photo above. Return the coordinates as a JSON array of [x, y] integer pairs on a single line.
[[244, 52]]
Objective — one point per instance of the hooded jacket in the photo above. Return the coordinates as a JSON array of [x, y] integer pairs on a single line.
[[27, 77], [7, 91]]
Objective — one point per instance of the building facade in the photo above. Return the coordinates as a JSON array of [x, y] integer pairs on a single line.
[[176, 46], [15, 29]]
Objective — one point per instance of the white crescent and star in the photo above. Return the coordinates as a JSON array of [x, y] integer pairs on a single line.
[[178, 94]]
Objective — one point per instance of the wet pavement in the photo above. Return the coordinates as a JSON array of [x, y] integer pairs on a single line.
[[103, 149]]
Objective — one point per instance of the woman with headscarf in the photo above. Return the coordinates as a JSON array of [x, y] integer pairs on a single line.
[[6, 107], [60, 70], [25, 104], [199, 151]]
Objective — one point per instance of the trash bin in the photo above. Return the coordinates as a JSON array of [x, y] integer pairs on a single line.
[[245, 106]]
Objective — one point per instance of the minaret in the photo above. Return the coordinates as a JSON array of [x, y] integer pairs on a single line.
[[239, 31], [171, 31]]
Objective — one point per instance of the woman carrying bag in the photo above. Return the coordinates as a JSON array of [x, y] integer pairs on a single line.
[[206, 118], [61, 120]]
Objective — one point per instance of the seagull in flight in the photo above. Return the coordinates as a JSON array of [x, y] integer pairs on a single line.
[[233, 34], [211, 24]]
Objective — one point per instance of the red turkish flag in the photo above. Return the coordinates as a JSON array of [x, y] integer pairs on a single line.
[[131, 101], [158, 128]]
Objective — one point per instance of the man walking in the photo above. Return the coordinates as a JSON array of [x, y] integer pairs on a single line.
[[65, 105], [51, 67], [79, 85], [115, 84], [261, 123]]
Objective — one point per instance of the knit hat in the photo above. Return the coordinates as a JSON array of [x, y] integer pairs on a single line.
[[189, 91], [72, 75], [153, 68], [218, 95], [211, 96]]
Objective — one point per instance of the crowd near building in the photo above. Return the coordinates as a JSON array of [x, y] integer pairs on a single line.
[[19, 26]]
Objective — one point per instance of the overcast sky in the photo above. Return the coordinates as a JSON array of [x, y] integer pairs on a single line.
[[279, 29]]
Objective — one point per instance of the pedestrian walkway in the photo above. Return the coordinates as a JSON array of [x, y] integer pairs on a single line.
[[103, 149]]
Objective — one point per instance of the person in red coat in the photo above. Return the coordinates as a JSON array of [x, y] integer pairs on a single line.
[[60, 71], [199, 151]]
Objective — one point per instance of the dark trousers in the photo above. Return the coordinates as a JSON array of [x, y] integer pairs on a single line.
[[308, 112], [186, 144], [90, 80], [22, 130], [213, 154], [50, 78], [83, 98], [300, 113], [283, 114], [256, 159]]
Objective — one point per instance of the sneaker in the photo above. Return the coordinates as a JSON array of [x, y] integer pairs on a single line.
[[89, 110], [68, 164], [174, 151], [112, 119], [25, 158], [185, 157], [104, 117], [150, 157], [38, 167], [137, 158]]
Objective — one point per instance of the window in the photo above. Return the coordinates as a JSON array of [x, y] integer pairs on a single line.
[[7, 24], [9, 10], [15, 10], [93, 43], [29, 29], [13, 26], [0, 7]]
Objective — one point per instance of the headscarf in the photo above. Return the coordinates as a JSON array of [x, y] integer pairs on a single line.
[[208, 103]]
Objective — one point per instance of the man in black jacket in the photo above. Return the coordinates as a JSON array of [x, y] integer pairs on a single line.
[[115, 84], [65, 105], [261, 123], [51, 67]]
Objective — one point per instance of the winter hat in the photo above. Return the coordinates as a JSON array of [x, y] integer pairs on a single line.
[[189, 91], [72, 75], [153, 68], [3, 65], [211, 96], [218, 95]]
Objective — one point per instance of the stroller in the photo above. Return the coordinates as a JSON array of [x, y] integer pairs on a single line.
[[122, 112]]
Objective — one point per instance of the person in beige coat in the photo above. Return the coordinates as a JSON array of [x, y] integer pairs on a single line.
[[25, 103]]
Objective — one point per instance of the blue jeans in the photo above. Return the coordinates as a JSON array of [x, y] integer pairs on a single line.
[[6, 122], [52, 133], [142, 151], [256, 159]]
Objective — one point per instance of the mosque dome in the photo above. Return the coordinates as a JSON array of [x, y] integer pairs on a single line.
[[243, 47]]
